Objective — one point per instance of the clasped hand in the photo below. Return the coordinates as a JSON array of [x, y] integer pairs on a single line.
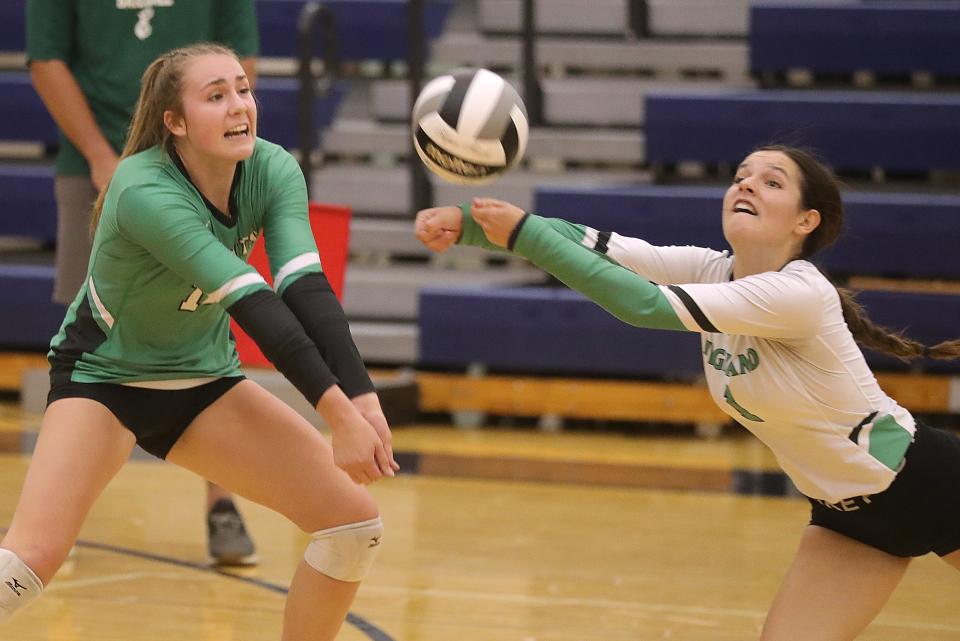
[[439, 228], [361, 438]]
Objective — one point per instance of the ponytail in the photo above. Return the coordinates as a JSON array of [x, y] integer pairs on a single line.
[[883, 340]]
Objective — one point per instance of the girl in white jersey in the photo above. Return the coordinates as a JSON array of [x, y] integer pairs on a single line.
[[145, 356], [780, 356]]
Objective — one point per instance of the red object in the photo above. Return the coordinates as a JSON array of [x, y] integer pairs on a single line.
[[331, 230]]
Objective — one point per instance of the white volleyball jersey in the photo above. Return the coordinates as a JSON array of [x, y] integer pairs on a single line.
[[781, 361], [778, 356]]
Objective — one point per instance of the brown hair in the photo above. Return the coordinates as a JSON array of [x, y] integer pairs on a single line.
[[820, 190], [160, 90]]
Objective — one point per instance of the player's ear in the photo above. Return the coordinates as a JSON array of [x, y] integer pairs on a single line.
[[175, 123], [808, 221]]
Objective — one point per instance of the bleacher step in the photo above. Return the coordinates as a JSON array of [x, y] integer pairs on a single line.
[[661, 57], [385, 191], [393, 292], [586, 102], [593, 145], [611, 17]]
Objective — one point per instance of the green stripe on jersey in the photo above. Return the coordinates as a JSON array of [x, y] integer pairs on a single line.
[[889, 441]]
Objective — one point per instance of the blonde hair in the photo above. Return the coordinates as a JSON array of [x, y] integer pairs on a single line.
[[161, 90]]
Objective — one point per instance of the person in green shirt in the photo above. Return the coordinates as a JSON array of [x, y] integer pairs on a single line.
[[86, 58], [144, 354]]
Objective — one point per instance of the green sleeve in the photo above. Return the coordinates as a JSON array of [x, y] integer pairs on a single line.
[[472, 234], [291, 248], [237, 27], [621, 292], [173, 233], [50, 29]]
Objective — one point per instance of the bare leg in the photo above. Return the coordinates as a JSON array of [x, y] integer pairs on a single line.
[[80, 448], [835, 587], [953, 559], [255, 445], [302, 618], [215, 493]]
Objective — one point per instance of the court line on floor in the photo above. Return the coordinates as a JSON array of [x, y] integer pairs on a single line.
[[361, 624], [666, 608], [364, 626]]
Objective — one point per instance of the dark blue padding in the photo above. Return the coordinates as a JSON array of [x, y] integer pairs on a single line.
[[367, 29], [844, 37], [29, 207], [13, 19], [278, 110], [558, 331], [910, 235], [545, 329], [23, 116], [853, 130], [28, 317]]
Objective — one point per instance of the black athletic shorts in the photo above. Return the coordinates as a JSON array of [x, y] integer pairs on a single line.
[[156, 417], [918, 513]]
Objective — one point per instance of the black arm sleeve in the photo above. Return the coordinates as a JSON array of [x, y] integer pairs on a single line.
[[278, 333], [314, 303]]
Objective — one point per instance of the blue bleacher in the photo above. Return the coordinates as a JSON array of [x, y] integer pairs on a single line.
[[845, 37], [23, 116], [854, 130], [911, 235], [544, 329], [29, 208], [278, 105], [558, 331], [366, 29], [28, 317], [12, 32]]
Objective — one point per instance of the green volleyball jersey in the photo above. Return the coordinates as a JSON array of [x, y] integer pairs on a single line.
[[108, 44], [166, 264]]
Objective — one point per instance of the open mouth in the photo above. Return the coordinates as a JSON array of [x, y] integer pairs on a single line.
[[240, 131], [743, 207]]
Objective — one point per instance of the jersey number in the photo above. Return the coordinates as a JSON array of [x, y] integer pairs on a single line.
[[728, 396], [192, 302]]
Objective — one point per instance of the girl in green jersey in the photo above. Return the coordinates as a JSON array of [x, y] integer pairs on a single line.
[[144, 354]]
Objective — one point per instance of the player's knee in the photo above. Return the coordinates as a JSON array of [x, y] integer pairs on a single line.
[[345, 552], [18, 584]]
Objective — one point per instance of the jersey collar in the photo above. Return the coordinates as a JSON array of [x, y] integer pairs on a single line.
[[229, 219]]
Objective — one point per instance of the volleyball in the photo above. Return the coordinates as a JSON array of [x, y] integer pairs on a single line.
[[469, 126]]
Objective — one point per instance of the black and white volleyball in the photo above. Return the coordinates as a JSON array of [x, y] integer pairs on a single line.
[[469, 126]]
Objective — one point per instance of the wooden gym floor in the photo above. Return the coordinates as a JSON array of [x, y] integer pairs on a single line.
[[584, 557]]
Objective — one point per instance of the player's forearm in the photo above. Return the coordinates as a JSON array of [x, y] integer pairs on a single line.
[[629, 297], [313, 302], [473, 234], [66, 103]]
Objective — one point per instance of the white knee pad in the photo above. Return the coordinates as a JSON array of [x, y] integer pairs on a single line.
[[18, 584], [345, 552]]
